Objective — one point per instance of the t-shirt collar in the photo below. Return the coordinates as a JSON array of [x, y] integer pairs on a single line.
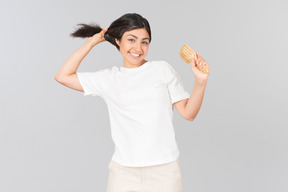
[[126, 69]]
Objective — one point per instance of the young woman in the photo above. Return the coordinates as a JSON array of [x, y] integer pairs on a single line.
[[140, 96]]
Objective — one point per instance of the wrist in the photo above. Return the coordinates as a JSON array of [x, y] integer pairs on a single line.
[[201, 82], [91, 43]]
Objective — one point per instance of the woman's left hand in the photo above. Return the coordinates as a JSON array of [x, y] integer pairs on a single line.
[[199, 75]]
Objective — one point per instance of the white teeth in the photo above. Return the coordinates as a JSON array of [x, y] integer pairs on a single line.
[[134, 54]]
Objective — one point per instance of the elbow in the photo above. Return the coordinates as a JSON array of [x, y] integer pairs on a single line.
[[56, 78], [190, 118]]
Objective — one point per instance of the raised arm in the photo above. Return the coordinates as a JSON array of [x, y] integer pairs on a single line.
[[189, 108], [194, 103], [67, 72]]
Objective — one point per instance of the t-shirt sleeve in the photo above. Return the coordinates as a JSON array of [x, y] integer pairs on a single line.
[[174, 83], [92, 82]]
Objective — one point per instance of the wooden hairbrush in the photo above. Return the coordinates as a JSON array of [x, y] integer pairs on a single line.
[[187, 54]]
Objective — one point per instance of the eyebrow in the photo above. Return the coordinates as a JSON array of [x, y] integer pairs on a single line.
[[137, 37]]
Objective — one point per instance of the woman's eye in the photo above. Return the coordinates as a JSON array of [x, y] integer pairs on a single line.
[[132, 40], [144, 42]]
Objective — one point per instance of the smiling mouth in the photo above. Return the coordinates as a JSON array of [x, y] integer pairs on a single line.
[[134, 54]]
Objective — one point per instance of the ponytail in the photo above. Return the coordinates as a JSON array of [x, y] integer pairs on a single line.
[[90, 30], [127, 22], [86, 30]]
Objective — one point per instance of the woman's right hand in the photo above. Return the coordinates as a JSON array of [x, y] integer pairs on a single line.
[[97, 38]]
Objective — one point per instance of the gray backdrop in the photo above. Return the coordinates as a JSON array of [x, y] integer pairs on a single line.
[[52, 138]]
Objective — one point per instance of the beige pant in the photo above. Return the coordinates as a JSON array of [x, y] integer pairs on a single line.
[[158, 178]]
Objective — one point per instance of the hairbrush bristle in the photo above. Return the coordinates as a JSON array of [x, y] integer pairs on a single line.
[[187, 54]]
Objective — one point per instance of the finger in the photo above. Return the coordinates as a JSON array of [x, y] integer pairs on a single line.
[[103, 31], [193, 63], [200, 63], [198, 60], [197, 54]]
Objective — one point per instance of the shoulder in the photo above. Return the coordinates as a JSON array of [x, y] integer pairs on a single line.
[[166, 69], [166, 66]]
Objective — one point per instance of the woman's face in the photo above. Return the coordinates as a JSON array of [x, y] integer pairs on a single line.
[[134, 47]]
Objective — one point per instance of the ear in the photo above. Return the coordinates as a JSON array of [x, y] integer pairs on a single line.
[[118, 43]]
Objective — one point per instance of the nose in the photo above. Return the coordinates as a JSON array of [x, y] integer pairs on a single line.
[[137, 47]]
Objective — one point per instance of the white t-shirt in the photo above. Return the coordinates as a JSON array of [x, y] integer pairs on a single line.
[[140, 109]]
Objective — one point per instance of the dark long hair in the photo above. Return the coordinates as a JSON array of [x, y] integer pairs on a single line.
[[127, 22]]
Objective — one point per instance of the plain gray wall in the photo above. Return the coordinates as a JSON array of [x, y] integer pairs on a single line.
[[53, 138]]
